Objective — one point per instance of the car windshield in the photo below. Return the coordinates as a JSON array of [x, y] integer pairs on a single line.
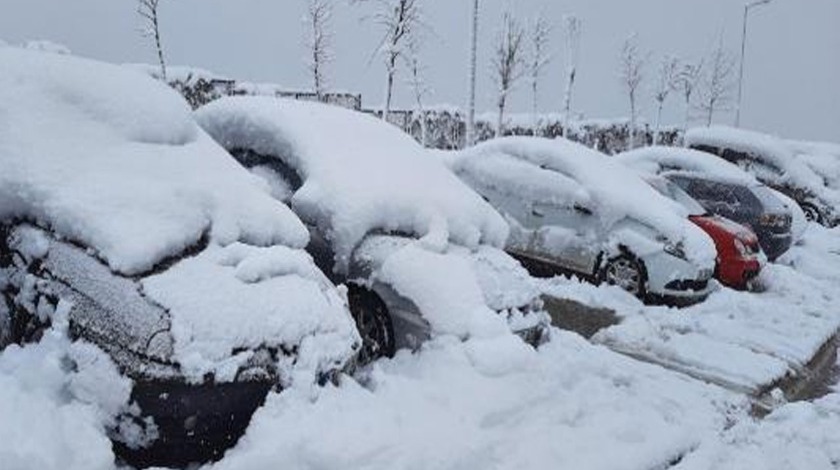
[[675, 193], [771, 203]]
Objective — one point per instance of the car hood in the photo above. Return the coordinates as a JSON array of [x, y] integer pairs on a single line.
[[455, 288]]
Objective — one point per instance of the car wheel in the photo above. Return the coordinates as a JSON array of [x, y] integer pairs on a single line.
[[625, 271], [812, 214], [374, 324]]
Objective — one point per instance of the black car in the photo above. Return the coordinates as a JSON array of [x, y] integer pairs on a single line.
[[772, 163], [754, 206]]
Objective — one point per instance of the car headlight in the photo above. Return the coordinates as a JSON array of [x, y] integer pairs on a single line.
[[675, 249], [742, 249]]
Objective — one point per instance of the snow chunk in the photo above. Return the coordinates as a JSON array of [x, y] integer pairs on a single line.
[[243, 296], [359, 174], [111, 158], [47, 46]]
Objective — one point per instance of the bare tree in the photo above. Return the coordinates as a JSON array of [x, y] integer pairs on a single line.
[[572, 33], [400, 19], [148, 10], [631, 74], [418, 85], [718, 83], [540, 35], [470, 137], [667, 81], [687, 80], [508, 62], [319, 42]]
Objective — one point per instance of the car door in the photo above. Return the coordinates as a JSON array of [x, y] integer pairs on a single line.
[[565, 234]]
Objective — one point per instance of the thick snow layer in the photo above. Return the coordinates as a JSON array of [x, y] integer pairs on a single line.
[[111, 158], [673, 160], [797, 436], [359, 174], [586, 176], [742, 340], [459, 291], [822, 157], [771, 150], [54, 417], [242, 296], [490, 404]]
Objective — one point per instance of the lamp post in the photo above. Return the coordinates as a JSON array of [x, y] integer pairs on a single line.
[[470, 137], [747, 9]]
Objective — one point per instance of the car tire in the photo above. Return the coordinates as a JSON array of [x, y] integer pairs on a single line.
[[812, 214], [627, 272], [373, 322]]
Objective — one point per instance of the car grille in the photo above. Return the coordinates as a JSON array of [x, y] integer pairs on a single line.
[[688, 285]]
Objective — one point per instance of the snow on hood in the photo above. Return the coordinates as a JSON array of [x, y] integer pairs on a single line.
[[771, 149], [822, 157], [614, 192], [459, 291], [111, 158], [681, 161], [359, 174]]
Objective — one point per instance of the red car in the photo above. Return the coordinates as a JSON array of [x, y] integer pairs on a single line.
[[739, 257], [738, 251]]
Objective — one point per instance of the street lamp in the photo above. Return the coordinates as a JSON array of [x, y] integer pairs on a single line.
[[747, 9]]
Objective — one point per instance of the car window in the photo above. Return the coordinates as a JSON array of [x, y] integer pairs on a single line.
[[250, 159]]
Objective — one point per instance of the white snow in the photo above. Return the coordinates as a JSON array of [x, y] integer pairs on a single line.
[[359, 173], [673, 160], [490, 404], [242, 296], [742, 340], [770, 149], [614, 192], [112, 159]]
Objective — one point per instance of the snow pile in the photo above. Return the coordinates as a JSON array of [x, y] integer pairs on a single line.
[[741, 340], [55, 414], [490, 404], [822, 157], [590, 178], [459, 291], [112, 159], [681, 161], [241, 296], [47, 46], [797, 436], [359, 174]]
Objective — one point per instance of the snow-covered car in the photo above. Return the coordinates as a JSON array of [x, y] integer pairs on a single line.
[[739, 256], [773, 163], [123, 225], [723, 189], [572, 209], [419, 251]]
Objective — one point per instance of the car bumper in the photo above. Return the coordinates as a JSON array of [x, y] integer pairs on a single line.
[[738, 272], [194, 423], [676, 281], [774, 244]]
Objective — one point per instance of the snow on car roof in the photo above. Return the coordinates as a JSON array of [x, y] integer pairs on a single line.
[[616, 191], [110, 158], [359, 173], [764, 147], [675, 160]]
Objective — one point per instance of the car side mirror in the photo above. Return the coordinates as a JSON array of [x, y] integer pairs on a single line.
[[582, 209]]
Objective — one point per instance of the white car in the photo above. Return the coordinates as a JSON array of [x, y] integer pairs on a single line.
[[126, 228], [419, 251], [571, 209]]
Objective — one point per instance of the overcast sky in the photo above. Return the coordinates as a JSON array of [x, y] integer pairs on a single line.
[[792, 80]]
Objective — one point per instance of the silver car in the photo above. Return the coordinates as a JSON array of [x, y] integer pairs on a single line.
[[571, 210]]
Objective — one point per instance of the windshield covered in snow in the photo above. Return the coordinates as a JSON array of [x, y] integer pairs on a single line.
[[675, 193]]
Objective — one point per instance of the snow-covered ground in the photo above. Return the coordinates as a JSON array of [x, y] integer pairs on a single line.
[[741, 340]]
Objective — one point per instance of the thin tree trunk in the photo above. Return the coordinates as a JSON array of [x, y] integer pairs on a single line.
[[567, 103], [500, 121], [632, 143], [534, 113], [159, 48], [658, 123]]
